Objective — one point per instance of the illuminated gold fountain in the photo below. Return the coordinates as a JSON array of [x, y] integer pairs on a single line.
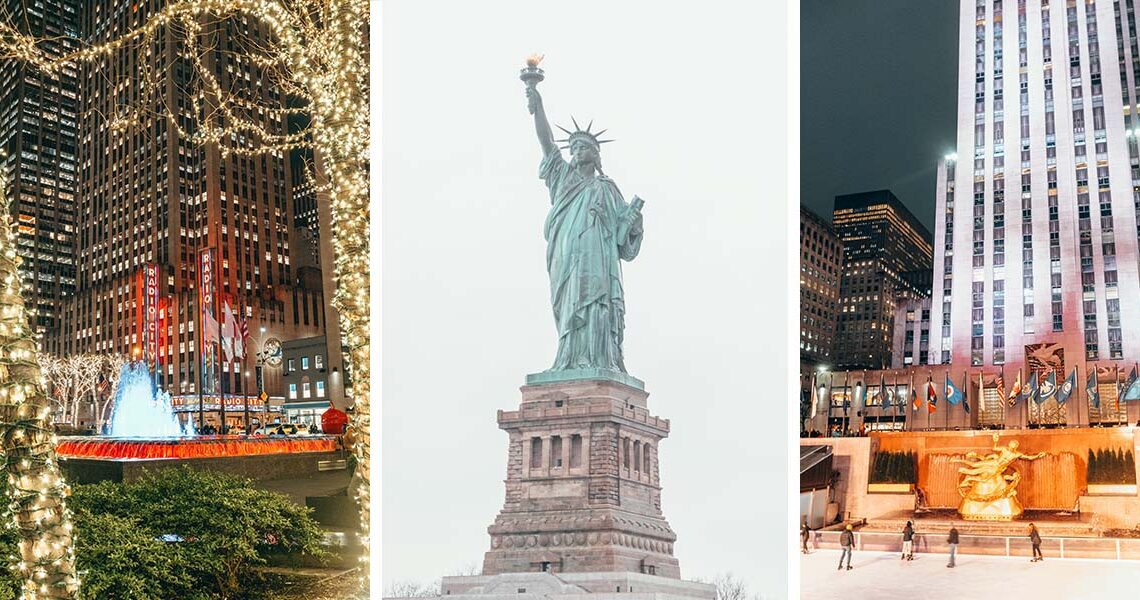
[[988, 493]]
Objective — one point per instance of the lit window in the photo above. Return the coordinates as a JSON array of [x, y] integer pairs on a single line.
[[292, 391], [320, 389], [319, 361], [304, 363], [306, 392]]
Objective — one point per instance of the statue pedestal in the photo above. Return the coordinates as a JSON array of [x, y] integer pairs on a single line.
[[582, 487], [1002, 509]]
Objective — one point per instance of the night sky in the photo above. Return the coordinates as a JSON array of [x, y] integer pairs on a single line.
[[877, 99]]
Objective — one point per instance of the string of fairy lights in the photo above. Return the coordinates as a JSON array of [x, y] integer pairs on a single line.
[[36, 491], [317, 54]]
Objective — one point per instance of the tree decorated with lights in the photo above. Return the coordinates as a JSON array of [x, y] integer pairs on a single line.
[[316, 56], [36, 491]]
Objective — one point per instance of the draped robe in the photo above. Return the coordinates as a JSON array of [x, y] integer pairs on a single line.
[[587, 216]]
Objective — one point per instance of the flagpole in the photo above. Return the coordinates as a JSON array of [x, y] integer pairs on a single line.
[[846, 399], [946, 417], [1116, 386], [245, 376]]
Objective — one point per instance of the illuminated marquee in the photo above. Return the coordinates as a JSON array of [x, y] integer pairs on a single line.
[[151, 278]]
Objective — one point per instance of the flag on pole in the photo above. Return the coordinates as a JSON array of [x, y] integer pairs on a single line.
[[1067, 387], [1131, 387], [229, 328], [931, 396], [882, 389], [1015, 391], [1001, 384], [1031, 388], [1093, 388], [1048, 387], [953, 394], [104, 385]]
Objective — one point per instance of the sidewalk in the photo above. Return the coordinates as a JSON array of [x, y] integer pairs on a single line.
[[884, 575]]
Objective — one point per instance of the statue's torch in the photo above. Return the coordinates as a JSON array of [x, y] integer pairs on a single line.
[[531, 75]]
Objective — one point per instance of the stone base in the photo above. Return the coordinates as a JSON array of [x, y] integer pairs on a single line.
[[258, 466], [584, 374], [575, 586]]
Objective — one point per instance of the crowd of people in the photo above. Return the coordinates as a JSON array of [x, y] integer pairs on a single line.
[[847, 543]]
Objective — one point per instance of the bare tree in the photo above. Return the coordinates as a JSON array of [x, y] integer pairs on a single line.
[[113, 371], [411, 589], [731, 587]]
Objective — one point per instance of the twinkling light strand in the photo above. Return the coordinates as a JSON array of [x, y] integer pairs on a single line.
[[36, 490], [317, 54]]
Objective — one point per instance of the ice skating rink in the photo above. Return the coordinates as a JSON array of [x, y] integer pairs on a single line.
[[883, 575]]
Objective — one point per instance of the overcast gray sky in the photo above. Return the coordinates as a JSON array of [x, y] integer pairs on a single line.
[[694, 94]]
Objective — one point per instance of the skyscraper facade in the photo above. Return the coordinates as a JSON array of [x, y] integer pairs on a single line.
[[1036, 225], [150, 197], [884, 246], [821, 263], [38, 119]]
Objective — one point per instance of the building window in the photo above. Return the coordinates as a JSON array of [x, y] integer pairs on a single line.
[[319, 361], [292, 366], [292, 391], [320, 389], [304, 363], [556, 451], [306, 392], [535, 452], [575, 451]]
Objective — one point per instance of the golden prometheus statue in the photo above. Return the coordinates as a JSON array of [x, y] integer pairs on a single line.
[[988, 493]]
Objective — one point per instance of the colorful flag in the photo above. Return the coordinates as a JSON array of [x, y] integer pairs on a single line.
[[1093, 388], [104, 386], [243, 328], [882, 389], [1048, 387], [931, 396], [953, 394], [1067, 387], [1015, 391], [1001, 384], [229, 328], [1030, 392], [1131, 387]]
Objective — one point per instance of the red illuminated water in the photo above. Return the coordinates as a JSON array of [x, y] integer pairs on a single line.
[[189, 447]]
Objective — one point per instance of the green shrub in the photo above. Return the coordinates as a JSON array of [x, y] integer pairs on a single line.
[[225, 525]]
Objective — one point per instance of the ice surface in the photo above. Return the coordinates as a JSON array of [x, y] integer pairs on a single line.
[[884, 575]]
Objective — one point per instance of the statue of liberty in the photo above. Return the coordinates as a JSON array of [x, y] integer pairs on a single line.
[[589, 229]]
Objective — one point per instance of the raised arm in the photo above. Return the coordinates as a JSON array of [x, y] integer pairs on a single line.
[[541, 124]]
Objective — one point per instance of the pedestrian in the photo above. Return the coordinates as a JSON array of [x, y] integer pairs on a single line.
[[908, 541], [952, 539], [1035, 539], [805, 533], [847, 541]]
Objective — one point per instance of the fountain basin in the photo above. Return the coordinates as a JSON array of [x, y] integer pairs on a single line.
[[87, 459], [188, 447]]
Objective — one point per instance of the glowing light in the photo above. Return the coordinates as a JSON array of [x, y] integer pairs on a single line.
[[139, 412]]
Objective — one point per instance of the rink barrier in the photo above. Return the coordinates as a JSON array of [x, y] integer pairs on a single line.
[[991, 545]]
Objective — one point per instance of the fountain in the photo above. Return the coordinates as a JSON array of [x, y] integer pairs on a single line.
[[145, 433], [139, 411]]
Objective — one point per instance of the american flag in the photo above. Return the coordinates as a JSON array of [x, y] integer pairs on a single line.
[[104, 386], [243, 326]]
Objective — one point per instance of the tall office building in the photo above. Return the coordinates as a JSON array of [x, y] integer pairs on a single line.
[[148, 196], [38, 134], [821, 262], [884, 246], [1036, 252]]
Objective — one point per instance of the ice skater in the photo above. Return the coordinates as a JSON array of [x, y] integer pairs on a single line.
[[908, 541], [1035, 539], [952, 539], [847, 541]]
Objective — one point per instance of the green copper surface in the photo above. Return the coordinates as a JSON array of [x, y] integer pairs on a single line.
[[590, 228], [566, 375]]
